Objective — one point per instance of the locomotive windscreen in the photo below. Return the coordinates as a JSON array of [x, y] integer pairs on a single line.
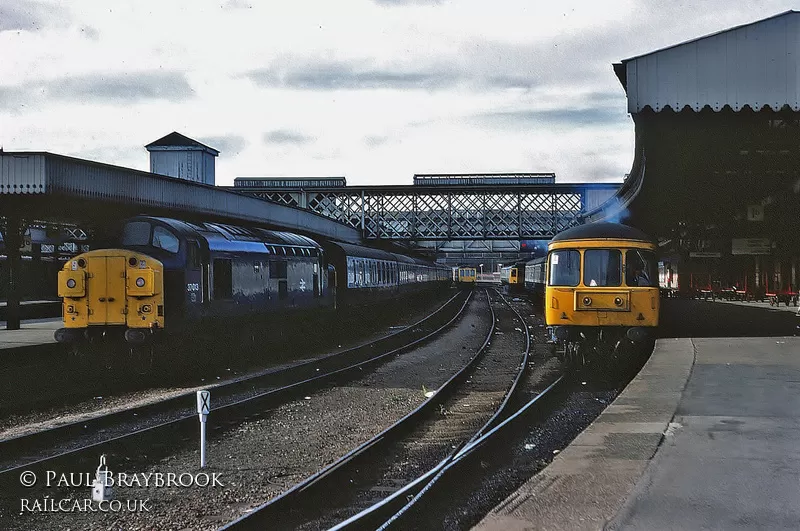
[[136, 233]]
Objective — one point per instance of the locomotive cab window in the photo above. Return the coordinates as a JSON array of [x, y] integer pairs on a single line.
[[136, 233], [193, 258], [640, 268], [602, 267], [278, 269], [565, 268], [223, 279], [164, 239]]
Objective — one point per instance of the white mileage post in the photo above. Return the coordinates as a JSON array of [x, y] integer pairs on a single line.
[[203, 409]]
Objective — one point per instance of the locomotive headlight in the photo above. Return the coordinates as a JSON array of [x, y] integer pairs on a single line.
[[618, 301], [140, 282], [587, 301], [146, 308], [71, 283]]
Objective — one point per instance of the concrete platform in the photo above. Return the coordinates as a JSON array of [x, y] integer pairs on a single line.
[[765, 305], [33, 332], [731, 459], [40, 309], [705, 437]]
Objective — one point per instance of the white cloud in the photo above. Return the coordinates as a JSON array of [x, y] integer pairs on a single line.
[[372, 89]]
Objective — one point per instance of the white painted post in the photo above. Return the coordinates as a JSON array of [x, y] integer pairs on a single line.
[[203, 409]]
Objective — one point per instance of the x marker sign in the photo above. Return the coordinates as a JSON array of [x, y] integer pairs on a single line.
[[203, 402]]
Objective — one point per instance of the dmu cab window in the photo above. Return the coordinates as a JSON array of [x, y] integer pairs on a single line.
[[565, 268], [602, 267], [640, 268]]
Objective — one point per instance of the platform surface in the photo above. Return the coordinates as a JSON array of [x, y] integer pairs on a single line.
[[731, 459], [764, 305], [705, 437], [32, 332]]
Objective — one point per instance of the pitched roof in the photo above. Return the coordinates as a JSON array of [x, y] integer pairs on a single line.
[[175, 139], [779, 15]]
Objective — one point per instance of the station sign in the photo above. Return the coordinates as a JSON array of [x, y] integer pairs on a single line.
[[740, 246], [704, 254]]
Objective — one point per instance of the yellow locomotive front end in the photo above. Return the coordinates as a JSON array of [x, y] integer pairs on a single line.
[[111, 291], [467, 275], [601, 290]]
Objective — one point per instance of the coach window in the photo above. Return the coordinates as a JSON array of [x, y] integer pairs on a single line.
[[351, 274], [565, 267], [602, 267], [165, 240], [223, 279], [640, 268]]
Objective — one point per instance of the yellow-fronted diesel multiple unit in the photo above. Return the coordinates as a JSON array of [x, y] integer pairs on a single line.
[[601, 288], [513, 276], [111, 290], [468, 275]]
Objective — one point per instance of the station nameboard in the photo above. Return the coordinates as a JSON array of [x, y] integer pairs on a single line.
[[750, 246]]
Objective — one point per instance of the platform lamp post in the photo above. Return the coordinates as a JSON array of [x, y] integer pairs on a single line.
[[481, 269]]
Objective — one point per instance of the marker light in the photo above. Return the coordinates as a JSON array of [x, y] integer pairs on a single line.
[[140, 282], [71, 283]]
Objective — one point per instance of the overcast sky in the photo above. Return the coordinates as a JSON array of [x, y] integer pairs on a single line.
[[375, 90]]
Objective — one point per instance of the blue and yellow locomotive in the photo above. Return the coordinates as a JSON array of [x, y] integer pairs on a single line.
[[178, 277]]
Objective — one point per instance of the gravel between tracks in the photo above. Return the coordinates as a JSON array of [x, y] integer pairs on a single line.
[[262, 457], [17, 424], [460, 416]]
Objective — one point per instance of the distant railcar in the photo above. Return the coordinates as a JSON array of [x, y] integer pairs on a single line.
[[467, 275], [535, 279], [513, 276]]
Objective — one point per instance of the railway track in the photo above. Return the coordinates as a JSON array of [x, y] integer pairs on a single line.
[[65, 381], [384, 470], [460, 491], [168, 424]]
